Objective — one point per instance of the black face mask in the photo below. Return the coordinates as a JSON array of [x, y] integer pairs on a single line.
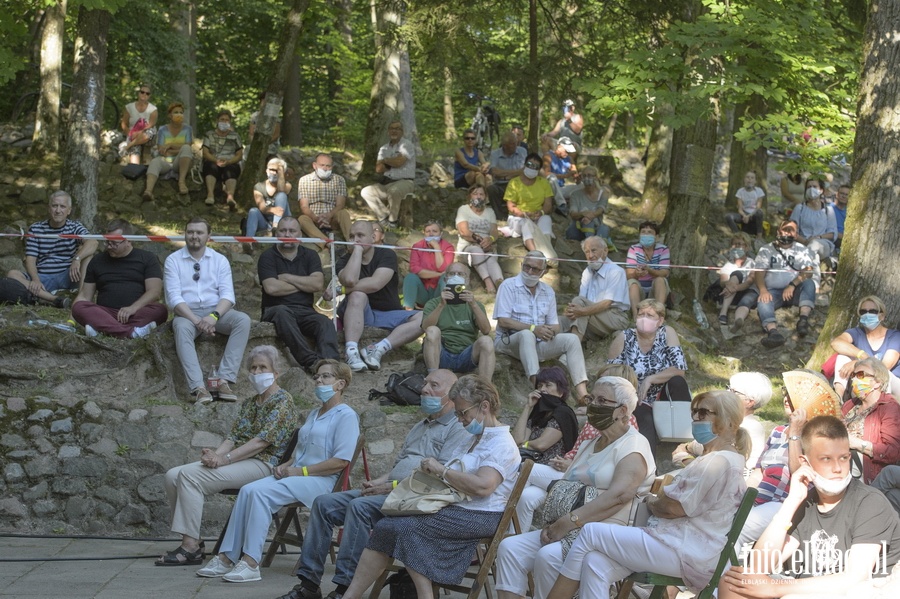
[[601, 417], [785, 239]]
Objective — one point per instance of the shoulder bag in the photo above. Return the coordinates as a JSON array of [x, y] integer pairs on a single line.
[[421, 493]]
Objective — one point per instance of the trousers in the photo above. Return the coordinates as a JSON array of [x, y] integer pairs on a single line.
[[104, 319], [524, 346], [294, 323], [233, 323]]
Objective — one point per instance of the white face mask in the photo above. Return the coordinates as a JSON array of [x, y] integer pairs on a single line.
[[262, 381], [813, 193], [595, 266], [321, 173], [531, 173], [223, 126], [530, 280], [455, 280], [830, 487]]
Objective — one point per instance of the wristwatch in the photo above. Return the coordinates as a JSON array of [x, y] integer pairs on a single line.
[[794, 438], [573, 517], [228, 457]]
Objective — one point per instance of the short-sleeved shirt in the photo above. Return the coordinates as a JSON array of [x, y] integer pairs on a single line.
[[404, 147], [322, 437], [862, 517], [274, 421], [637, 257], [607, 283], [891, 341], [815, 222], [515, 301], [134, 114], [498, 450], [580, 202], [223, 147], [441, 438], [322, 194], [774, 461], [528, 198], [508, 163], [479, 224], [783, 264], [164, 136], [121, 281], [53, 255], [457, 324], [749, 198], [660, 357], [273, 263], [387, 298]]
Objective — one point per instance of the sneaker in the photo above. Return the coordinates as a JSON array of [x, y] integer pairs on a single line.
[[201, 395], [773, 339], [63, 303], [301, 592], [90, 331], [215, 568], [225, 392], [242, 572], [355, 361], [372, 356], [738, 325], [140, 332], [803, 327]]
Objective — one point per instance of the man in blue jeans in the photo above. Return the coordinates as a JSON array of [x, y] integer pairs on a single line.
[[788, 275], [438, 436]]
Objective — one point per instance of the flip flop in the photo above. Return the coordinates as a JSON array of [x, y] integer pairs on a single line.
[[171, 558]]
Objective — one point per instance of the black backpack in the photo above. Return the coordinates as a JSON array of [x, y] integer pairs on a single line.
[[402, 389]]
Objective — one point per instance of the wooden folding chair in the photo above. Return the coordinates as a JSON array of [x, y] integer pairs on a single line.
[[486, 551], [291, 514], [660, 581]]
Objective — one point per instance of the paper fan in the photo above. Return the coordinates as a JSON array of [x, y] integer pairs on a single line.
[[810, 390]]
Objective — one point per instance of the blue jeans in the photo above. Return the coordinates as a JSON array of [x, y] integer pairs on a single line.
[[573, 232], [256, 220], [56, 281], [357, 514], [804, 296]]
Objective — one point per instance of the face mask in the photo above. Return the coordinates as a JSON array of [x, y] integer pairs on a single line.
[[433, 238], [324, 392], [588, 181], [273, 178], [177, 119], [813, 193], [223, 126], [430, 404], [476, 203], [455, 280], [860, 388], [648, 240], [595, 266], [736, 253], [826, 486], [531, 173], [475, 427], [321, 173], [645, 324], [530, 280], [703, 432], [870, 321], [601, 417], [785, 240], [262, 381]]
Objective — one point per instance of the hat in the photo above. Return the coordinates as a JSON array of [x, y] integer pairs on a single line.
[[809, 389], [567, 144], [568, 102], [754, 385]]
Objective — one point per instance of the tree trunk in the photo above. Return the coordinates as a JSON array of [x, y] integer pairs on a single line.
[[184, 22], [46, 123], [659, 154], [449, 122], [741, 160], [254, 161], [629, 130], [869, 251], [534, 100], [291, 125], [610, 130], [81, 157]]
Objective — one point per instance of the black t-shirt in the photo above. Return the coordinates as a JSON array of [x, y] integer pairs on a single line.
[[864, 516], [272, 263], [387, 298], [120, 281]]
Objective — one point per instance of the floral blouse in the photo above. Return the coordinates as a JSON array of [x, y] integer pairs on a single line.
[[660, 357], [273, 421]]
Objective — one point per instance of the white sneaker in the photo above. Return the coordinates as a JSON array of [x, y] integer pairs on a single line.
[[141, 332], [242, 572], [354, 361], [372, 356], [90, 331], [214, 568]]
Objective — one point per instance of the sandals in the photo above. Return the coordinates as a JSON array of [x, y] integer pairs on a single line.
[[182, 557]]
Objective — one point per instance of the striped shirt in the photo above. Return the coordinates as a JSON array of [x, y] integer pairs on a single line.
[[637, 257], [54, 256], [322, 194]]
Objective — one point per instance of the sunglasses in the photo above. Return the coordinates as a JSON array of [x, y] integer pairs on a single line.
[[144, 93], [196, 271], [468, 138], [701, 413], [532, 165], [859, 374], [863, 312]]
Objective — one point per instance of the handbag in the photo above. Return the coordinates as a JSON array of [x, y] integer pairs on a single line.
[[421, 493], [672, 420], [640, 511], [563, 496]]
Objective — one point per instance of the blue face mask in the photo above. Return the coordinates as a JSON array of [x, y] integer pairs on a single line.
[[324, 392], [430, 404], [432, 238], [475, 427], [648, 240], [870, 321], [703, 432]]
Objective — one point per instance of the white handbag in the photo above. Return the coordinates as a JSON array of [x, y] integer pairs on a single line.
[[672, 420]]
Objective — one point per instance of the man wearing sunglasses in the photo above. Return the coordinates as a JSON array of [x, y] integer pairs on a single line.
[[199, 289], [127, 282]]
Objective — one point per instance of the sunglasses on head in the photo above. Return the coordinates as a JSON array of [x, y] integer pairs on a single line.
[[196, 271], [702, 413], [863, 312]]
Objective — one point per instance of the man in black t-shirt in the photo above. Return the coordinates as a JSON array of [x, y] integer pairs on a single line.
[[829, 540], [368, 277], [128, 283], [290, 274]]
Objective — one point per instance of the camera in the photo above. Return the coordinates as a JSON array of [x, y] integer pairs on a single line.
[[456, 290]]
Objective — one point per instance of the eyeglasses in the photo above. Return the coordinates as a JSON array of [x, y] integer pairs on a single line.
[[599, 400], [736, 392], [701, 413], [532, 269], [863, 312], [322, 377], [461, 413], [114, 244], [532, 165], [469, 138], [859, 374], [196, 271]]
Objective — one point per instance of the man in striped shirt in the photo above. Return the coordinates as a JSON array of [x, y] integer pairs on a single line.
[[55, 263]]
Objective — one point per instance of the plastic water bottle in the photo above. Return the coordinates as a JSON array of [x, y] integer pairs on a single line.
[[700, 315], [64, 327], [38, 323], [212, 382]]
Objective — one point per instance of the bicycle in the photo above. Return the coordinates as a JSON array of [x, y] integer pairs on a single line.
[[486, 123], [26, 106]]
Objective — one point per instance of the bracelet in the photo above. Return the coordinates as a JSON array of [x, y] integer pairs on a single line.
[[394, 484], [532, 328], [305, 471], [525, 445], [215, 315], [861, 355], [77, 258], [444, 473]]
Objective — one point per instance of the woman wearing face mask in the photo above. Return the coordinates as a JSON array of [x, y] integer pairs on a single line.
[[271, 197], [618, 465], [257, 440], [174, 146], [529, 199], [816, 221], [428, 260], [587, 205], [439, 547], [872, 417], [325, 445], [689, 518], [654, 351], [547, 425], [870, 339], [477, 227], [734, 278]]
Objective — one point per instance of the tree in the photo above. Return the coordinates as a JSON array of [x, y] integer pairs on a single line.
[[46, 123], [184, 23], [869, 251]]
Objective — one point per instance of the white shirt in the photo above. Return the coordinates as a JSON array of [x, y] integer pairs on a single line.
[[215, 281], [498, 450], [403, 147], [607, 283], [515, 301]]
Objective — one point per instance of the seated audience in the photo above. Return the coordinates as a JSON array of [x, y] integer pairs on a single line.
[[477, 227], [559, 168], [323, 200], [870, 339], [397, 166], [258, 439], [547, 427], [529, 200], [439, 547], [271, 199], [471, 166], [647, 267], [222, 154], [734, 277], [138, 124], [750, 214], [325, 445], [128, 284], [507, 163], [587, 205], [601, 306], [173, 142], [428, 259], [816, 223]]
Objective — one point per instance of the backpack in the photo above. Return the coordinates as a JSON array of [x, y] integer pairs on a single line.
[[14, 292], [401, 389]]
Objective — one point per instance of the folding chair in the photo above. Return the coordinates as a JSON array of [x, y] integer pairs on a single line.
[[660, 581], [291, 515], [486, 551]]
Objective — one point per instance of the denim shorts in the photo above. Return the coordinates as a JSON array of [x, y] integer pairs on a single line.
[[461, 362], [56, 281], [386, 320]]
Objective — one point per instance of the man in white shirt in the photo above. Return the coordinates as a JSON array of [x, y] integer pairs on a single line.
[[199, 290], [397, 164], [602, 305]]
